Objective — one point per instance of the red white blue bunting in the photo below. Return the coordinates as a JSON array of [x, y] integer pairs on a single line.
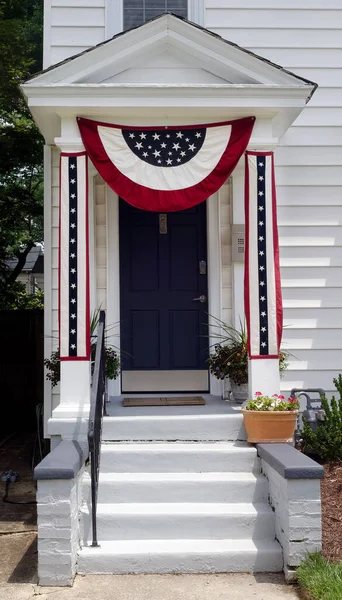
[[74, 313], [263, 302], [168, 168]]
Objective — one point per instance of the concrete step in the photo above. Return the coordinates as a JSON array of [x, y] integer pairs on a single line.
[[178, 487], [179, 458], [164, 427], [182, 556], [167, 521]]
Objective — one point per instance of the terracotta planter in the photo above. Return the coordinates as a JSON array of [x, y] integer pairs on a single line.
[[269, 426]]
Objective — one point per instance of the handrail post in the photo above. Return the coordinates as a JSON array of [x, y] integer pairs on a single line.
[[97, 409]]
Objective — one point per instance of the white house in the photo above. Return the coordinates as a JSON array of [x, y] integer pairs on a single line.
[[217, 62]]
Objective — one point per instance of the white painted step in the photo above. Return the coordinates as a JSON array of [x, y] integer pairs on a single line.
[[164, 427], [181, 520], [182, 556], [178, 487], [179, 458]]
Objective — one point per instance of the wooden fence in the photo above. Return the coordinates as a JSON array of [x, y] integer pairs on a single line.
[[21, 368]]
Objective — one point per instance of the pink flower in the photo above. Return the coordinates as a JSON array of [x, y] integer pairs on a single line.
[[292, 400], [276, 396], [258, 394], [281, 397]]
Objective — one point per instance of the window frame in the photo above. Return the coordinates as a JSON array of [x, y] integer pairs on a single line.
[[114, 15]]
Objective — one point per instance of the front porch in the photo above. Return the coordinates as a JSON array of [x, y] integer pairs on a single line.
[[111, 83], [180, 490]]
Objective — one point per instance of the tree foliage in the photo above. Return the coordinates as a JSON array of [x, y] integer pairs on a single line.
[[21, 145]]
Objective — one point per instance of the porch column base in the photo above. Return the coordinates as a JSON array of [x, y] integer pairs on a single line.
[[75, 382], [70, 418], [263, 376]]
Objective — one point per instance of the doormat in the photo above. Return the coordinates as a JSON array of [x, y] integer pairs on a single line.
[[185, 401]]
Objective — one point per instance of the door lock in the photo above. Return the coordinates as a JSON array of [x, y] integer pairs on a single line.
[[200, 299]]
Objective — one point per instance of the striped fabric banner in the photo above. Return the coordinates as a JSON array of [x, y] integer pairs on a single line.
[[74, 312], [263, 302]]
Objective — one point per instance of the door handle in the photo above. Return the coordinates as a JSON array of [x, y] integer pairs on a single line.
[[200, 299]]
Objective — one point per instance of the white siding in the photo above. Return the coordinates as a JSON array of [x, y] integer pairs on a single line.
[[100, 243], [54, 260], [226, 251], [304, 36], [71, 26]]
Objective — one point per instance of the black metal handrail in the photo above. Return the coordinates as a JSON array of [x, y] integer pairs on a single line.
[[97, 408]]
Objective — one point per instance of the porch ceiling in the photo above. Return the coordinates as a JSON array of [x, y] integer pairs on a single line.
[[167, 69]]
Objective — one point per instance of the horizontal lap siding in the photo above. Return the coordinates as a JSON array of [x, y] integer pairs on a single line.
[[304, 36], [54, 260], [226, 251], [72, 26]]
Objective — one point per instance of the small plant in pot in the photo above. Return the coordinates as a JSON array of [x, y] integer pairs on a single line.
[[270, 419], [112, 357], [230, 358]]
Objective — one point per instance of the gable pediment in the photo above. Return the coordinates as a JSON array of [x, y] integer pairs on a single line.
[[163, 66], [171, 50], [166, 68]]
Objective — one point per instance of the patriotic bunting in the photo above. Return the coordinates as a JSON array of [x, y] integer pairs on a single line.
[[74, 316], [263, 302], [165, 169]]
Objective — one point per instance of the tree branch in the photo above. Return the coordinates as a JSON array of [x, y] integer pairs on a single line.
[[20, 265]]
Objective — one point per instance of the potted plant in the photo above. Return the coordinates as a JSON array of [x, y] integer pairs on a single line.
[[230, 358], [270, 419], [112, 358]]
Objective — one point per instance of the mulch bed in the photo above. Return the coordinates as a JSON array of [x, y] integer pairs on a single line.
[[331, 493]]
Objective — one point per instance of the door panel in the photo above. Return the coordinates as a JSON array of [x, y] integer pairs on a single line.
[[145, 329], [144, 258], [184, 349], [162, 326]]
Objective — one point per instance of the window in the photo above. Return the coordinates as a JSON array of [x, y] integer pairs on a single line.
[[136, 12]]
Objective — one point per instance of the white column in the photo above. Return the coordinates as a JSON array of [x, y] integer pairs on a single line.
[[238, 218], [263, 376], [75, 377]]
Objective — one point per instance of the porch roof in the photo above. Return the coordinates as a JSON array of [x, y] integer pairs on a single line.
[[174, 67]]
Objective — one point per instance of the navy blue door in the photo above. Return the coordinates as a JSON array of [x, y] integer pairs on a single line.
[[163, 262]]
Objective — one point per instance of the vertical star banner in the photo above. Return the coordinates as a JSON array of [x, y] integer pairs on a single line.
[[74, 310], [262, 288]]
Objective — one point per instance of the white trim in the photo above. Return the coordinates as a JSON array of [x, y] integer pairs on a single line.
[[114, 15], [47, 35], [214, 274], [113, 272], [196, 11], [92, 247], [113, 18], [47, 282], [238, 218], [113, 276]]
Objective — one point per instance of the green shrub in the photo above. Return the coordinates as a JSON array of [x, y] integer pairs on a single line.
[[326, 441]]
